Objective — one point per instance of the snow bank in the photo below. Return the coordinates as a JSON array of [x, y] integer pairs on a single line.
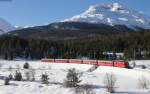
[[41, 65], [141, 62]]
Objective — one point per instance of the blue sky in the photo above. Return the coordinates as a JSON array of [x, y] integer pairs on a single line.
[[39, 12]]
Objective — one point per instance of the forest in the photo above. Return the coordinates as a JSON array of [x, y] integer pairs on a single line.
[[129, 43]]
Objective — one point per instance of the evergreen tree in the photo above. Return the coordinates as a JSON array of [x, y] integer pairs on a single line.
[[26, 65], [18, 76], [44, 79], [72, 78], [6, 81]]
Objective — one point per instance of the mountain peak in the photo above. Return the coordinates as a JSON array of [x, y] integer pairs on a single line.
[[112, 14], [5, 26], [98, 8], [112, 7], [116, 6]]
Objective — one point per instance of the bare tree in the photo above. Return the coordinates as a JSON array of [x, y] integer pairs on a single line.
[[143, 82], [72, 78], [10, 68], [32, 74], [27, 75], [110, 81], [84, 90]]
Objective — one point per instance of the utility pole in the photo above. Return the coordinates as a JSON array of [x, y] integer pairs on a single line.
[[134, 55], [134, 64]]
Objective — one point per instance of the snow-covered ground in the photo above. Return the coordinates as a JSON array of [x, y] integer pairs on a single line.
[[127, 79], [141, 62], [41, 65]]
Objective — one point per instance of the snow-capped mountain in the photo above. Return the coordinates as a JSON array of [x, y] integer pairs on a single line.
[[5, 26], [112, 14]]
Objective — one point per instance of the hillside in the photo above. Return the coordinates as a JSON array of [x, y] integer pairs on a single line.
[[68, 30]]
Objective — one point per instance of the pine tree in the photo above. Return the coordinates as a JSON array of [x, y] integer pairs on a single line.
[[44, 79], [18, 76], [72, 78], [26, 65], [6, 81]]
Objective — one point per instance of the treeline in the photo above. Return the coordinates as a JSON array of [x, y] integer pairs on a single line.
[[132, 44], [13, 47]]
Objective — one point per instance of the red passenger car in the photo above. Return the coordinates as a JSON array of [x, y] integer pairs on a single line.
[[105, 63], [92, 62], [61, 60], [76, 61]]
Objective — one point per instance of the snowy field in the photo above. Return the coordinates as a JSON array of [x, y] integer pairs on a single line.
[[127, 79], [141, 62]]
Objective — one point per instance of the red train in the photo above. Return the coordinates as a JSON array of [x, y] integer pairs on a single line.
[[113, 63]]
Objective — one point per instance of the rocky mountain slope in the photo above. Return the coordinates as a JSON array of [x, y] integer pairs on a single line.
[[112, 14], [5, 26]]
